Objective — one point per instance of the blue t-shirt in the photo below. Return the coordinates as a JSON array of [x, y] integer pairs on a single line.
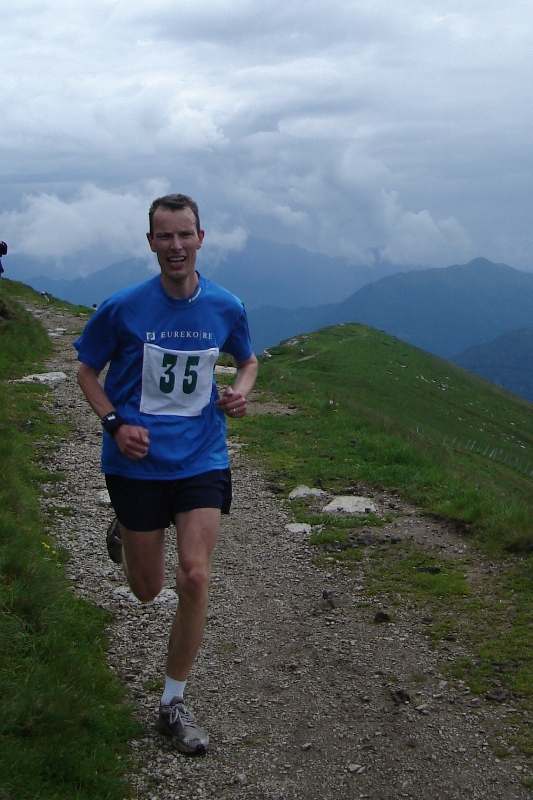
[[161, 353]]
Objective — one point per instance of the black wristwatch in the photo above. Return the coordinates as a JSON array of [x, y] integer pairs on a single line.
[[111, 422]]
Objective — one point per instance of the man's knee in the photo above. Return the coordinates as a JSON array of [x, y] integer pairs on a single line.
[[192, 580]]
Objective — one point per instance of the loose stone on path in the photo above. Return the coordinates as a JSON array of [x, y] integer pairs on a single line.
[[48, 378], [350, 504], [305, 491], [298, 527]]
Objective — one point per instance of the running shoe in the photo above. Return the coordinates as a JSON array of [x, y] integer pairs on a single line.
[[114, 542], [177, 722]]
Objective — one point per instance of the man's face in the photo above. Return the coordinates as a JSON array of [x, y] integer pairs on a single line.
[[175, 241]]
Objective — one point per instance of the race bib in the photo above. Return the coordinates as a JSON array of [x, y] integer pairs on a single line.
[[177, 382]]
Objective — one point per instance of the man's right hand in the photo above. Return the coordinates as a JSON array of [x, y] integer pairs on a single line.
[[132, 441]]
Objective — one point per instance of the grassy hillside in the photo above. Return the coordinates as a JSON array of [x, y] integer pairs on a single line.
[[374, 409], [64, 728]]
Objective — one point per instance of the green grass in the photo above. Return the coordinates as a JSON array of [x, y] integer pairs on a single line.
[[21, 293], [64, 725], [492, 617], [347, 521], [332, 535], [411, 571], [375, 412]]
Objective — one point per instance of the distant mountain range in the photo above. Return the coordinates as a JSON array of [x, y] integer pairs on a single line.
[[444, 311], [95, 287], [266, 273], [477, 314], [506, 361], [261, 273]]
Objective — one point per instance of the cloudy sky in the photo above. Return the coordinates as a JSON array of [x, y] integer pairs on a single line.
[[363, 128]]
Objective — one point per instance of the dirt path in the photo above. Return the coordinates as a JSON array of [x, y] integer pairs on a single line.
[[296, 696]]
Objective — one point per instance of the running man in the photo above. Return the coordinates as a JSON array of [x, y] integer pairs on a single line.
[[164, 451]]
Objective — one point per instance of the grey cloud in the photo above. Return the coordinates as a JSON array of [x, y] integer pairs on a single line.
[[112, 222], [48, 226], [279, 26], [352, 128]]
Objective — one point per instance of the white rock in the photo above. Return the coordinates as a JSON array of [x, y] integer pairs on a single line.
[[350, 504], [305, 491], [49, 378], [220, 370], [125, 593], [102, 498], [298, 527]]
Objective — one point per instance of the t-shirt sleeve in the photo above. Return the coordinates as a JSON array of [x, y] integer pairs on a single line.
[[239, 344], [100, 337]]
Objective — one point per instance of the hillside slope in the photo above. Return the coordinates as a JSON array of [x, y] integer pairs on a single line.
[[379, 410], [64, 729]]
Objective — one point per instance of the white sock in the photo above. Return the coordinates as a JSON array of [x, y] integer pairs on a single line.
[[172, 689]]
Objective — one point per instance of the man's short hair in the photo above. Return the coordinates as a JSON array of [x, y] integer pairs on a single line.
[[174, 202]]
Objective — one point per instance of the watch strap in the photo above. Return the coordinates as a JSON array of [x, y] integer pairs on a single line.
[[111, 422]]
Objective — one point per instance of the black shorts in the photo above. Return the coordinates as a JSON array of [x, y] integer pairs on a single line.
[[149, 505]]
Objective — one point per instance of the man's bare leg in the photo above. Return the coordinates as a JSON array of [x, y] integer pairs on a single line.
[[197, 533]]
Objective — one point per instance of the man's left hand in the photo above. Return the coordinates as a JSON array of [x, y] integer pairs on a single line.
[[232, 403]]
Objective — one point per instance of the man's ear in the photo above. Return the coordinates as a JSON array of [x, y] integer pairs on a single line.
[[150, 240]]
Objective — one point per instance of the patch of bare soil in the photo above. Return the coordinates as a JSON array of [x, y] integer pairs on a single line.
[[257, 405], [303, 697]]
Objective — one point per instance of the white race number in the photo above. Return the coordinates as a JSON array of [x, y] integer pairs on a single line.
[[177, 382]]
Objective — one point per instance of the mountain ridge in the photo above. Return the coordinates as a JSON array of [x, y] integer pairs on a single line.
[[442, 310], [261, 273]]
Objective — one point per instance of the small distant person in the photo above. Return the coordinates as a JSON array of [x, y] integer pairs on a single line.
[[3, 252], [164, 452]]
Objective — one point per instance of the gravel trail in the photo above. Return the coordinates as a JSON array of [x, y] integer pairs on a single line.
[[297, 695]]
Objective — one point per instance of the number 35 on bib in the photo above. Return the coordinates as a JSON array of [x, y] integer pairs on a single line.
[[177, 382]]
